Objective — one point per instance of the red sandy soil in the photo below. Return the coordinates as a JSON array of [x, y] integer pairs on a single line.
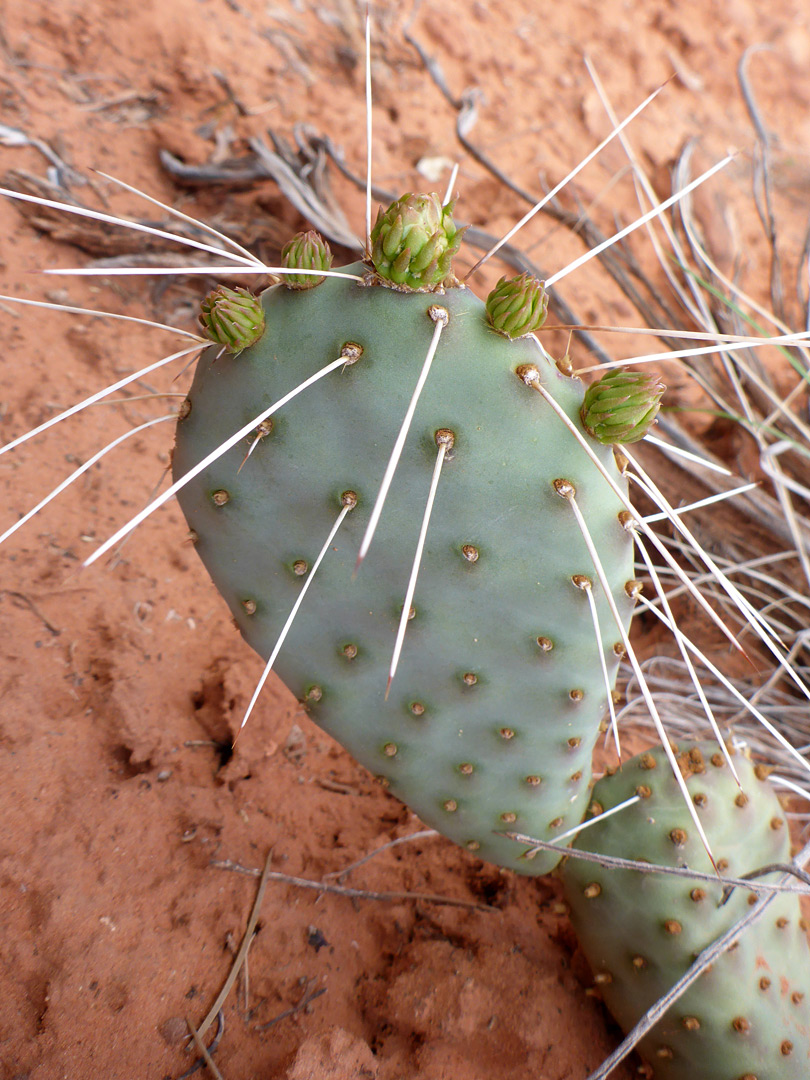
[[122, 686]]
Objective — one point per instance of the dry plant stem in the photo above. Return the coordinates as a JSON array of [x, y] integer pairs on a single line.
[[707, 957], [703, 258], [772, 868], [343, 890], [243, 948], [776, 676], [136, 226], [694, 678], [735, 371], [617, 863], [763, 720], [32, 607], [669, 681], [302, 197], [302, 1004], [756, 504], [174, 212], [679, 195], [422, 834]]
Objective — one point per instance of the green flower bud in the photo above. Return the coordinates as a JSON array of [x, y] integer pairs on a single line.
[[413, 243], [306, 251], [621, 407], [232, 317], [517, 306]]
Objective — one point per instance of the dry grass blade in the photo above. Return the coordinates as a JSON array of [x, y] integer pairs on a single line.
[[204, 1052], [242, 952]]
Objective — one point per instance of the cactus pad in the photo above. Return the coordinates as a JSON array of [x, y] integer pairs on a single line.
[[748, 1016], [491, 719]]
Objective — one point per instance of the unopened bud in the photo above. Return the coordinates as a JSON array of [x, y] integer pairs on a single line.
[[517, 306], [232, 317], [306, 251], [413, 243], [621, 407]]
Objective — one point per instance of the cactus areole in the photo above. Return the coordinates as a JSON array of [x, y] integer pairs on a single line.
[[490, 720]]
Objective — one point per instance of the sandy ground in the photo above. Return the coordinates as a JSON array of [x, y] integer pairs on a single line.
[[122, 686]]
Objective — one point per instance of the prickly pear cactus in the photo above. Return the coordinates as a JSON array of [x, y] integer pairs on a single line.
[[493, 713], [748, 1016]]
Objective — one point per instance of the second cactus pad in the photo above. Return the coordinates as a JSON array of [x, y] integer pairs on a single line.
[[748, 1016], [490, 721]]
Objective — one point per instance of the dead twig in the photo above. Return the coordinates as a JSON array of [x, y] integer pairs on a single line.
[[422, 834], [342, 890], [302, 1004], [32, 607], [617, 863]]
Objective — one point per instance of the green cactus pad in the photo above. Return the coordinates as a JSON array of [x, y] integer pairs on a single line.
[[492, 716], [621, 407], [748, 1016], [517, 306], [306, 251], [232, 318], [413, 243]]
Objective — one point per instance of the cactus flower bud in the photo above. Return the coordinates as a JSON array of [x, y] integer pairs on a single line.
[[306, 251], [517, 306], [232, 317], [621, 407], [413, 243]]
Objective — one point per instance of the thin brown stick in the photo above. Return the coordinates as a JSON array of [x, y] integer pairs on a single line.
[[422, 834], [302, 1004], [615, 862], [771, 868], [343, 890]]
